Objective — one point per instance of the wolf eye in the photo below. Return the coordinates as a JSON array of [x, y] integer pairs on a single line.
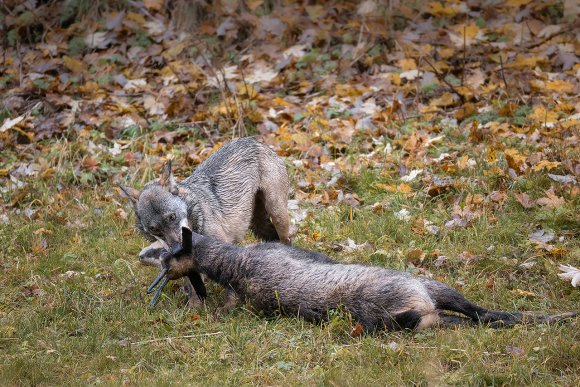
[[172, 217]]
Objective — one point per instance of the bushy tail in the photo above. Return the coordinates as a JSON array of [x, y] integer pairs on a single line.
[[500, 319], [447, 298]]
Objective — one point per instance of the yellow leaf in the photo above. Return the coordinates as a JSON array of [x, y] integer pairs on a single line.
[[404, 188], [282, 102], [247, 90], [437, 9], [387, 187], [254, 4], [559, 86], [524, 293], [471, 31], [346, 90], [74, 65], [89, 87], [301, 138], [542, 115], [515, 160], [545, 164], [137, 18], [466, 35], [174, 50], [445, 100], [516, 3], [407, 64], [525, 62], [153, 4]]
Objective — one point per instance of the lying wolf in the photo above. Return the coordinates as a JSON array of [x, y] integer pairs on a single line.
[[274, 277], [242, 186]]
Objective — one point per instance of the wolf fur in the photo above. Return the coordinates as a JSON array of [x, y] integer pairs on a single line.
[[274, 277], [242, 186]]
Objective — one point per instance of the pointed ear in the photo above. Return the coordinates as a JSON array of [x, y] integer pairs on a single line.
[[186, 240], [167, 180], [130, 193]]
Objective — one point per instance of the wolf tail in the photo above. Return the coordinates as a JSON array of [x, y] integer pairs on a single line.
[[448, 299]]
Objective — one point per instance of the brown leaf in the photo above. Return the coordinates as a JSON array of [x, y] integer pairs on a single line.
[[551, 200], [357, 330], [524, 199], [415, 255], [74, 65], [39, 246], [90, 164], [153, 4], [120, 213]]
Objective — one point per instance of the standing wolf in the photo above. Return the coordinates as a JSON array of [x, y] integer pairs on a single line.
[[242, 186], [276, 278]]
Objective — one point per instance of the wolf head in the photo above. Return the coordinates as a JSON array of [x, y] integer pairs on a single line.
[[161, 212]]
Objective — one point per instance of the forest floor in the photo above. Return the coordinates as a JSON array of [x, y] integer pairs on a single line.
[[438, 138]]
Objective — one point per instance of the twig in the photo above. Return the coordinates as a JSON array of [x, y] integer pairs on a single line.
[[564, 30], [442, 79], [503, 76], [221, 87], [191, 94], [176, 337], [464, 50]]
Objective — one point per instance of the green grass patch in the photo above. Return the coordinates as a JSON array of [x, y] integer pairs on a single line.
[[73, 308]]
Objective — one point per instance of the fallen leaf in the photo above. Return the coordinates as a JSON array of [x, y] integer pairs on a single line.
[[514, 350], [357, 330], [524, 199], [120, 213], [74, 65], [10, 123], [403, 215], [415, 255], [541, 236], [154, 4], [567, 179], [521, 292], [545, 164], [570, 273], [352, 246], [551, 200], [412, 175]]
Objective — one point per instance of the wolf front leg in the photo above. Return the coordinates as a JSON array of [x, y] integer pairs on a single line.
[[195, 290]]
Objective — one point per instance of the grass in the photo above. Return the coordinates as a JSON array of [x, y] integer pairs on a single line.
[[92, 325]]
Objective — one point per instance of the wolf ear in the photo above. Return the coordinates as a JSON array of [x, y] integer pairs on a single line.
[[186, 240], [132, 194], [167, 180]]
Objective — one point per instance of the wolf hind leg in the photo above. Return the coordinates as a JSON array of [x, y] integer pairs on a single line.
[[276, 206], [261, 225], [449, 321], [194, 300]]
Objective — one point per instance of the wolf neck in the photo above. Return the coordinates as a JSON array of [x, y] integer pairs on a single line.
[[219, 261], [195, 213]]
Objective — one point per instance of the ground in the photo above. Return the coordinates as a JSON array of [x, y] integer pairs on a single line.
[[437, 138]]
